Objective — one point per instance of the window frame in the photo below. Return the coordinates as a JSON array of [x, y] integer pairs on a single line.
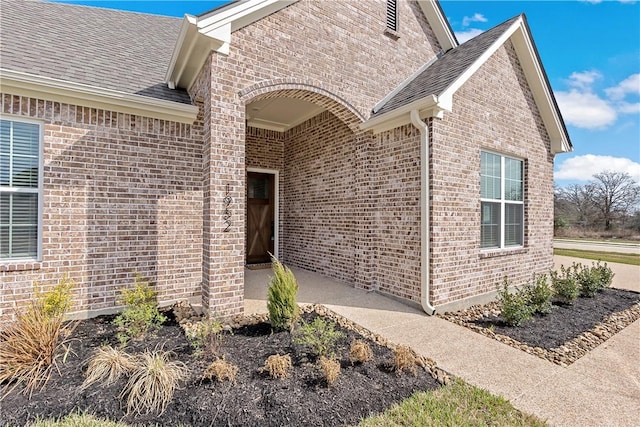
[[30, 190], [503, 202]]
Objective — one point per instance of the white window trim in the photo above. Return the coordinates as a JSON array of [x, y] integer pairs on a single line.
[[39, 190], [503, 202]]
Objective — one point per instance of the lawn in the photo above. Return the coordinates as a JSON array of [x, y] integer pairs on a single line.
[[631, 259]]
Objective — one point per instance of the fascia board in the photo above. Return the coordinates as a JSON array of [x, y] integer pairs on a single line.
[[185, 37], [439, 24], [241, 15], [428, 106], [24, 84]]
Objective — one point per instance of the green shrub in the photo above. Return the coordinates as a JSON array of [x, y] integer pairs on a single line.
[[514, 306], [318, 337], [588, 279], [57, 301], [141, 313], [605, 274], [539, 294], [565, 285], [281, 297]]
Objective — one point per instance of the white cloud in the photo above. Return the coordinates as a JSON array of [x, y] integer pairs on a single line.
[[585, 109], [463, 36], [584, 80], [628, 107], [582, 168], [477, 17], [600, 1], [629, 86]]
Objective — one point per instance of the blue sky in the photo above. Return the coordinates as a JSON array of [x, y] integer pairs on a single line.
[[590, 50]]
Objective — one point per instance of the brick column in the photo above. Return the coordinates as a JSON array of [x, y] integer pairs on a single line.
[[224, 174], [363, 211]]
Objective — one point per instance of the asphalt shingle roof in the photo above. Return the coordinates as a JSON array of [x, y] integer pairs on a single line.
[[438, 76], [123, 51]]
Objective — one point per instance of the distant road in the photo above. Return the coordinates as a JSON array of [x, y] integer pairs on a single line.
[[624, 248]]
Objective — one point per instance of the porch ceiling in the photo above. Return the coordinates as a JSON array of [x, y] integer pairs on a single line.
[[280, 114]]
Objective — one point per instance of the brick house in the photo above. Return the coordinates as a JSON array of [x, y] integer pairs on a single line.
[[356, 139]]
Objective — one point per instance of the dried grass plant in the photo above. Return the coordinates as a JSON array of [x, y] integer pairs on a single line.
[[153, 382], [405, 360], [330, 369], [221, 370], [107, 365], [360, 352], [278, 366]]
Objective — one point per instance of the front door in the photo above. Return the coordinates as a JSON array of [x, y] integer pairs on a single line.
[[260, 217]]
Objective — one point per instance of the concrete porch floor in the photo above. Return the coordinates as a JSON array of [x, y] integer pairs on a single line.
[[600, 389]]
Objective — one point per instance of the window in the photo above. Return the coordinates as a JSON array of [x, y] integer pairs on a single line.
[[392, 15], [20, 189], [501, 201]]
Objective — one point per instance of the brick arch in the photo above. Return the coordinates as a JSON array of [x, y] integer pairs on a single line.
[[306, 91]]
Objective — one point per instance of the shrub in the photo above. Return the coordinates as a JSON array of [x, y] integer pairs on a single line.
[[360, 352], [605, 274], [330, 369], [514, 306], [588, 279], [152, 383], [141, 312], [565, 285], [277, 366], [205, 335], [318, 337], [30, 346], [539, 294], [281, 297], [107, 365], [405, 359], [221, 370]]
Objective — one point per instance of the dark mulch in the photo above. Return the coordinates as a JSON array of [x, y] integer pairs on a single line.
[[566, 321], [253, 400]]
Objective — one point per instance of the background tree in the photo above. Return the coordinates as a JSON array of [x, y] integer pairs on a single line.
[[613, 194], [574, 204]]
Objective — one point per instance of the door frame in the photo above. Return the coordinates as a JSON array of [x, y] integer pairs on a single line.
[[276, 207]]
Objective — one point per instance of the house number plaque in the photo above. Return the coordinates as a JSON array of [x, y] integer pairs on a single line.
[[226, 216]]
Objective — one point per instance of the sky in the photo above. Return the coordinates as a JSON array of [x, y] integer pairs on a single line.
[[590, 50]]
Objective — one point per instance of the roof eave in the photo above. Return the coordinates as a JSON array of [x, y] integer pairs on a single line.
[[439, 24], [24, 84], [427, 106]]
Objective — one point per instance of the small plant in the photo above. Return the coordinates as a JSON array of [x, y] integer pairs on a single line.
[[360, 352], [30, 346], [205, 335], [107, 365], [281, 297], [221, 370], [141, 312], [539, 294], [515, 307], [330, 369], [405, 360], [564, 284], [277, 366], [152, 383], [588, 279], [318, 337], [605, 274]]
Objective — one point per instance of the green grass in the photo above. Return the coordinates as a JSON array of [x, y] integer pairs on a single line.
[[77, 420], [631, 259], [457, 404]]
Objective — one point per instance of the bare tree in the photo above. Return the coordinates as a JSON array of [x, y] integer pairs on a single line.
[[575, 201], [613, 194]]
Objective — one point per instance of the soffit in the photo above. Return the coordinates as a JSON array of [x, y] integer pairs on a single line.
[[280, 114]]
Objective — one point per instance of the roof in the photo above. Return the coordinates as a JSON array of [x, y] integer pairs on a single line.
[[120, 51], [430, 91], [440, 74]]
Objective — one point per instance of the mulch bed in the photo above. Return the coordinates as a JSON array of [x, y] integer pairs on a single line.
[[564, 335], [253, 400]]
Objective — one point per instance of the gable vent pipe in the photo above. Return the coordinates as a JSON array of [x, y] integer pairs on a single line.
[[425, 217]]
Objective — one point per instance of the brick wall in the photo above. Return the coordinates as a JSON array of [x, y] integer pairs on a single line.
[[122, 194], [484, 118]]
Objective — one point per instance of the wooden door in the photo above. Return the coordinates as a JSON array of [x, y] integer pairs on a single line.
[[260, 218]]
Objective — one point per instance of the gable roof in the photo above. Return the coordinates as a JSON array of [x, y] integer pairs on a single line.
[[122, 54], [212, 31], [431, 90]]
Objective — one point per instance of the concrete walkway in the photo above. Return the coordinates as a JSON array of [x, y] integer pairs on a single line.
[[600, 389]]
